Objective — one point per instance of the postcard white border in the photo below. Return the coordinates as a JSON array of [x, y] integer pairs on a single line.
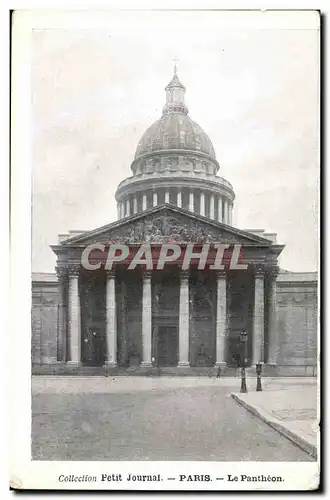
[[44, 475]]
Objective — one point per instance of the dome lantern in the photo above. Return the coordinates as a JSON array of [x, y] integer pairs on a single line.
[[175, 131], [175, 93]]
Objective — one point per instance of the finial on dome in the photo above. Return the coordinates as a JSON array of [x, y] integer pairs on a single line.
[[175, 60], [175, 82]]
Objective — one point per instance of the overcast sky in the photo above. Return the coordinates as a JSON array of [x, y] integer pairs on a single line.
[[254, 92]]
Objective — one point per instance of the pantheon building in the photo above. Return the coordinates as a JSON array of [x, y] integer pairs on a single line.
[[184, 321]]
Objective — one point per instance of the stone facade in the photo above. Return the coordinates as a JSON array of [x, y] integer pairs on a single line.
[[183, 319], [296, 324]]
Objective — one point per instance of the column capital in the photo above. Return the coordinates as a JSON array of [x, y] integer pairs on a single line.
[[221, 274], [74, 270], [259, 270], [110, 273], [62, 272], [272, 272], [184, 274], [147, 273]]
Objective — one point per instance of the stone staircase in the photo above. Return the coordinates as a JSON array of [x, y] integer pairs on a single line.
[[82, 370]]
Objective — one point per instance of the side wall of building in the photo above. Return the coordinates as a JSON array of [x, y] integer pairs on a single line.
[[297, 322], [44, 317]]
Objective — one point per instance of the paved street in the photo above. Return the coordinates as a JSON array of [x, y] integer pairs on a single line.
[[149, 419]]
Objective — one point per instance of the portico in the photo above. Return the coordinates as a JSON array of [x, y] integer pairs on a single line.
[[182, 317]]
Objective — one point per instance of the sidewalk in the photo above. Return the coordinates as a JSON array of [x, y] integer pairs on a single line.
[[291, 409]]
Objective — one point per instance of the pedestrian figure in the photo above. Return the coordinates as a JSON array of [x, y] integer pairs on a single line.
[[219, 372]]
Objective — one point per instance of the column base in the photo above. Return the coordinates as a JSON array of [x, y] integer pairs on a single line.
[[110, 364], [146, 364], [74, 363], [183, 364], [184, 368]]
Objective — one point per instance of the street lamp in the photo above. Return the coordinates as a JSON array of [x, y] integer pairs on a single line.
[[243, 341], [258, 370]]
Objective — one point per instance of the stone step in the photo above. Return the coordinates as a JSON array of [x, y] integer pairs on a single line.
[[68, 369]]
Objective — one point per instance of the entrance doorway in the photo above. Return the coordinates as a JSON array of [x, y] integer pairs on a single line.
[[166, 345], [93, 347]]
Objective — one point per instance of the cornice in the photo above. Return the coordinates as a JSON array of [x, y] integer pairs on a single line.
[[213, 184]]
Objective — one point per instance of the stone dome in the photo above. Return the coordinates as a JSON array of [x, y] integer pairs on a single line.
[[175, 164], [175, 130]]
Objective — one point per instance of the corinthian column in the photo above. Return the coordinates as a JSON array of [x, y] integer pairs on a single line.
[[202, 204], [212, 206], [179, 199], [111, 319], [230, 215], [221, 321], [128, 208], [62, 275], [220, 214], [134, 205], [144, 202], [191, 201], [74, 314], [225, 211], [184, 320], [146, 319], [272, 324], [167, 196], [258, 316]]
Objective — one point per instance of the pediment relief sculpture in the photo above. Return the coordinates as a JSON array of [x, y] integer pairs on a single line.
[[166, 229]]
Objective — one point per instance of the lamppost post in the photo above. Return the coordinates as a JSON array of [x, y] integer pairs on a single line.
[[243, 341], [258, 370]]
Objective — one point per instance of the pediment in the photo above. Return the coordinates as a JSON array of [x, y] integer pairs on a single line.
[[166, 224]]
